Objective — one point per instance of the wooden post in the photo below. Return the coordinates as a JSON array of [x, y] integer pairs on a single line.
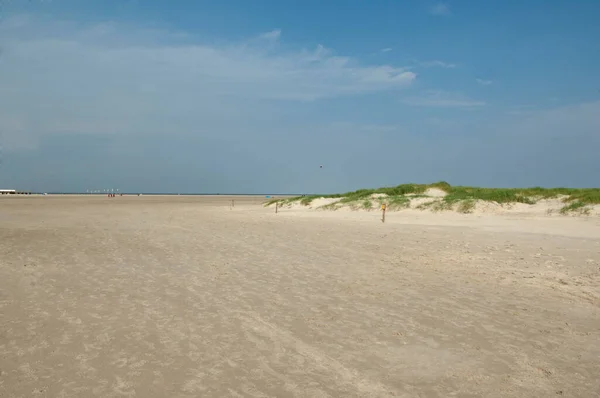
[[383, 212], [276, 207]]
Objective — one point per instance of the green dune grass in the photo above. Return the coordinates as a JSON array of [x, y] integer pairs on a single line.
[[460, 197]]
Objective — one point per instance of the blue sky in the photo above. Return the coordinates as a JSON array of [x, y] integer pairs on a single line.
[[241, 96]]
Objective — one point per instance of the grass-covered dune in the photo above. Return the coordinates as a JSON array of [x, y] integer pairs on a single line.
[[443, 196]]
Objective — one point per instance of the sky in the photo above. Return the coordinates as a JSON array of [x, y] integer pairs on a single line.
[[236, 96]]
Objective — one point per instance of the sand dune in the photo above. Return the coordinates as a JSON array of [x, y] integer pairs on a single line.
[[430, 201], [189, 296]]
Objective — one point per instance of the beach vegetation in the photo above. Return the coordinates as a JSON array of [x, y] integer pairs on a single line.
[[461, 198]]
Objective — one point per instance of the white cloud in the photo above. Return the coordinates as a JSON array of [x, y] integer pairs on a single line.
[[439, 64], [272, 35], [440, 9], [442, 99], [484, 82], [385, 50], [110, 78]]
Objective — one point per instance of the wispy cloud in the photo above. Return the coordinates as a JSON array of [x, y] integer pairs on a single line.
[[68, 78], [272, 35], [442, 99], [484, 82], [438, 64], [385, 50], [440, 9]]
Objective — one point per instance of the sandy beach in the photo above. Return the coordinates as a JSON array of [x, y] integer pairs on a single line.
[[186, 296]]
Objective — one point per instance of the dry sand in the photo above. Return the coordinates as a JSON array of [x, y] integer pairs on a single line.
[[185, 297]]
